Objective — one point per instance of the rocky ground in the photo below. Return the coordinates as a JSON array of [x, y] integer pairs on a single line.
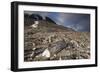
[[49, 43]]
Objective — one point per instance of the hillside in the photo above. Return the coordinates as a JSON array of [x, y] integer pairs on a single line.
[[50, 41]]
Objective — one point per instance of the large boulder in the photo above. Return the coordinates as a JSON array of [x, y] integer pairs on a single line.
[[57, 47]]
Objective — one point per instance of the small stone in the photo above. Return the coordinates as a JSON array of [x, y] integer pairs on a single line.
[[33, 44], [60, 58], [33, 48], [31, 54]]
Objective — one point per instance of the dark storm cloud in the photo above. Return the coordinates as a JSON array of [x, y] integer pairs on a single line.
[[78, 22]]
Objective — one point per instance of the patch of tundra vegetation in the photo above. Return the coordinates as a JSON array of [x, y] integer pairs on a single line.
[[42, 46]]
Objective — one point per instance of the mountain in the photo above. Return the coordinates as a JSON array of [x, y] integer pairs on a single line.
[[36, 17], [29, 19], [49, 20], [50, 41], [46, 24]]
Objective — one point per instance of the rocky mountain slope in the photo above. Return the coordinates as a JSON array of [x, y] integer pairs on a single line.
[[50, 41]]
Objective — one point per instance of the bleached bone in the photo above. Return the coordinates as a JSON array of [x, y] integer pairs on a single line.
[[46, 53]]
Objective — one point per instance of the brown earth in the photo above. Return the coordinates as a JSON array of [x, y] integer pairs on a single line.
[[61, 41]]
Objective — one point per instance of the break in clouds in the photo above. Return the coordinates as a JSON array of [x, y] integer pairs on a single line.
[[76, 21]]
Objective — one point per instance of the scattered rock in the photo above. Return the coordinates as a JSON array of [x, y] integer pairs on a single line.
[[53, 42]]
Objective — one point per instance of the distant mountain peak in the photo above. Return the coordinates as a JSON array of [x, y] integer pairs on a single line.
[[46, 24], [50, 20]]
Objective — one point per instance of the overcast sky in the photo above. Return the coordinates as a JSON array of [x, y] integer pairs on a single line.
[[78, 22]]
